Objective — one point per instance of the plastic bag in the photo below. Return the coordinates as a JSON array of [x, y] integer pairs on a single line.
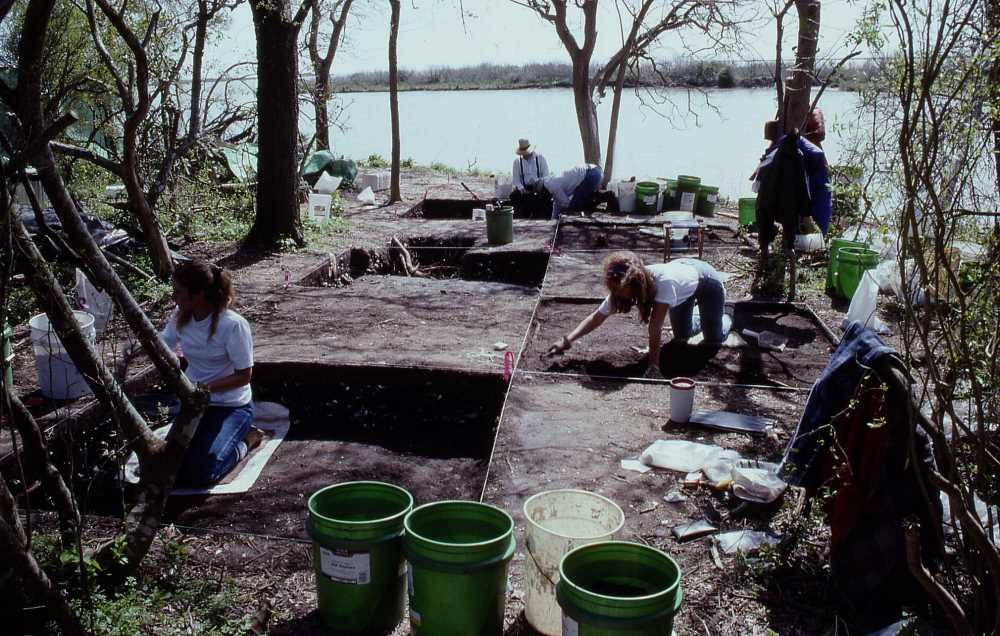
[[757, 481], [809, 242], [744, 541], [94, 302], [719, 471], [367, 196], [327, 184], [864, 304], [683, 456]]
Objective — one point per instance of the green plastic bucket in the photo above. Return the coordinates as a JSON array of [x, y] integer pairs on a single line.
[[851, 265], [458, 552], [670, 195], [357, 530], [646, 193], [500, 225], [8, 356], [835, 246], [687, 192], [705, 200], [618, 588], [748, 210]]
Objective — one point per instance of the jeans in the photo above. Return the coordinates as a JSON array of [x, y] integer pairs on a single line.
[[710, 297], [584, 193], [213, 451]]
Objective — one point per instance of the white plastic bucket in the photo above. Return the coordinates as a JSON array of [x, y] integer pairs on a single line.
[[626, 196], [319, 206], [557, 522], [681, 399], [58, 377], [502, 187]]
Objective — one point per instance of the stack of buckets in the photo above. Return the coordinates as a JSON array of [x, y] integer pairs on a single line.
[[451, 557], [848, 262]]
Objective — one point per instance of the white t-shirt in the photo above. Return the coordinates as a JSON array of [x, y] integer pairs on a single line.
[[212, 358], [676, 281]]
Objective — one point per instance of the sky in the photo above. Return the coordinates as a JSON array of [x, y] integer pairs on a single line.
[[434, 34]]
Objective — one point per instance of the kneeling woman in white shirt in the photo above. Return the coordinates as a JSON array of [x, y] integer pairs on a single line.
[[659, 290], [218, 347]]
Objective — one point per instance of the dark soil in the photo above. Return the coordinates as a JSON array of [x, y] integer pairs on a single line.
[[607, 352], [431, 436]]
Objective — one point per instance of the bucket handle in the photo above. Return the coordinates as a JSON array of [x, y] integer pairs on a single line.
[[538, 566]]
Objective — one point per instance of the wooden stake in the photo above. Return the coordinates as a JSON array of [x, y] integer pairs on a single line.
[[666, 242], [701, 237]]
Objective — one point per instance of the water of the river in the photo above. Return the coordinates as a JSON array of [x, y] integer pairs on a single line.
[[719, 141]]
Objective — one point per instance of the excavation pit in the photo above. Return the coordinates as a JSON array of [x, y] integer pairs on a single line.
[[462, 209], [587, 235], [429, 432], [609, 350], [434, 258]]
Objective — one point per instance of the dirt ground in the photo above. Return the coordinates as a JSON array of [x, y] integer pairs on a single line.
[[551, 430], [608, 351]]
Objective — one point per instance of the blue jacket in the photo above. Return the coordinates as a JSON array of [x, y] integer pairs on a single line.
[[830, 394]]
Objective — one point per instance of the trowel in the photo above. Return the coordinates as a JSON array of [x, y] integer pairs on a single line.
[[767, 339]]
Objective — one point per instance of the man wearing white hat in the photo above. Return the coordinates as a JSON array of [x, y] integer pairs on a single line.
[[529, 166]]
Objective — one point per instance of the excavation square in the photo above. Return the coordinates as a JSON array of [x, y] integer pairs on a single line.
[[390, 321], [612, 350], [429, 433], [583, 235]]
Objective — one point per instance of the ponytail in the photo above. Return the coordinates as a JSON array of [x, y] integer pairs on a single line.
[[210, 279], [625, 269]]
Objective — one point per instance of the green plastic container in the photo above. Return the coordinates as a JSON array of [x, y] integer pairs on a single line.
[[687, 192], [851, 265], [646, 193], [835, 246], [458, 552], [748, 211], [500, 225], [670, 195], [618, 589], [705, 200], [357, 530]]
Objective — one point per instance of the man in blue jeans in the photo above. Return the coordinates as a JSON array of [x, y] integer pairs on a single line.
[[573, 189]]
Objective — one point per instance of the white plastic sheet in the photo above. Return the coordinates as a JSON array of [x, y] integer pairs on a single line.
[[864, 304], [367, 196]]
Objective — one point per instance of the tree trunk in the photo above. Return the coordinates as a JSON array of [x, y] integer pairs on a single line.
[[586, 111], [609, 161], [277, 215], [799, 84], [321, 96], [394, 193]]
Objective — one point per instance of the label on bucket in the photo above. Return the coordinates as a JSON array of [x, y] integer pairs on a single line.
[[712, 198], [687, 201], [649, 199], [344, 566], [569, 626]]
